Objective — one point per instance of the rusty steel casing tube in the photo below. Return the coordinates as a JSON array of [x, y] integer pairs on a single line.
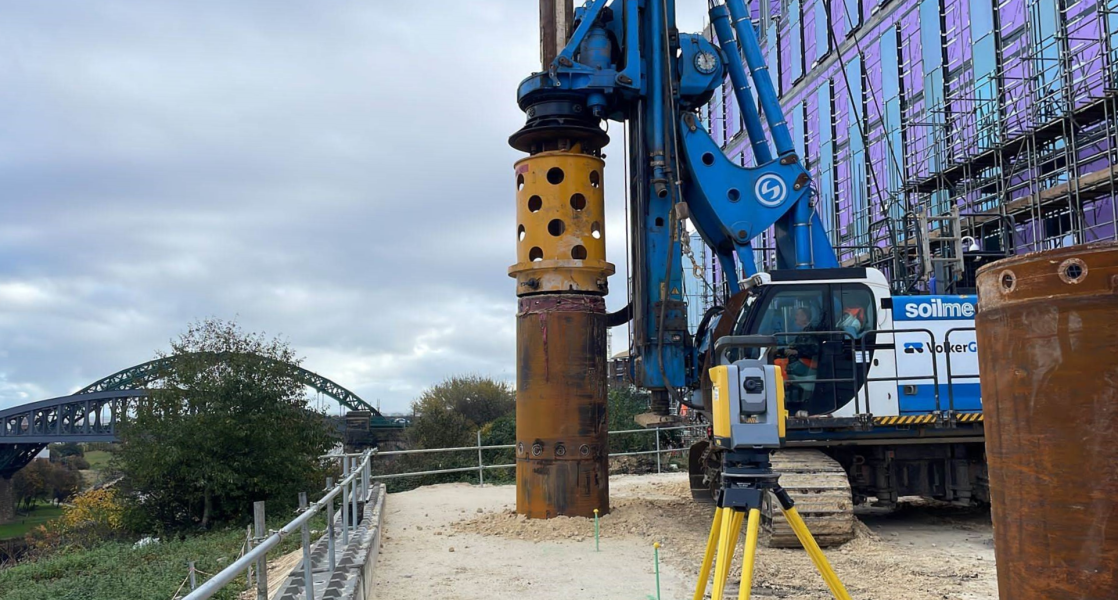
[[562, 462], [1047, 330], [562, 447]]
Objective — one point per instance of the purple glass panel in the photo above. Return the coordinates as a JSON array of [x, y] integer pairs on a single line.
[[808, 18], [1086, 41], [785, 57]]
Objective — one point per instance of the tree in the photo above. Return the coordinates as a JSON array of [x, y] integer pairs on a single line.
[[30, 484], [64, 450], [450, 413], [228, 426], [75, 463], [63, 482], [42, 480]]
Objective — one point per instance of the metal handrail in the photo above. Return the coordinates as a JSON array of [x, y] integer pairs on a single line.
[[231, 572], [932, 355], [481, 467], [950, 384]]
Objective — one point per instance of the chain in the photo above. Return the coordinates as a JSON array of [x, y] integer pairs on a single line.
[[696, 267]]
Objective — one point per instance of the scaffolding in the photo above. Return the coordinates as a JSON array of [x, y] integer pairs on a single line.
[[1031, 168]]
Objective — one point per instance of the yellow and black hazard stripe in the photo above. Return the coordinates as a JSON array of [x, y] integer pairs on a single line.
[[908, 420], [925, 419]]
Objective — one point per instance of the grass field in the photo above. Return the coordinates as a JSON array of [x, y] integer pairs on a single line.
[[98, 459], [39, 515]]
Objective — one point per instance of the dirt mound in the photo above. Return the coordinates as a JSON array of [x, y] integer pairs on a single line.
[[653, 516]]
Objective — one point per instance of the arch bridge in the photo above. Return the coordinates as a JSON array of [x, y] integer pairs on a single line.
[[95, 412]]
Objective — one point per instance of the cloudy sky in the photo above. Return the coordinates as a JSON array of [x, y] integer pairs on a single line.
[[335, 172]]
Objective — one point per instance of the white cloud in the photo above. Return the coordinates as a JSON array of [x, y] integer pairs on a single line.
[[334, 172]]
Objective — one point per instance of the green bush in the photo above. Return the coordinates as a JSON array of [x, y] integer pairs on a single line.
[[120, 571], [625, 403]]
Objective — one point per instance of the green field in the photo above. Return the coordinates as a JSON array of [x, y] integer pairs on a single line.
[[39, 515], [98, 459]]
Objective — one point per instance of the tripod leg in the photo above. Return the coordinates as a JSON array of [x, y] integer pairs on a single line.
[[708, 556], [751, 531], [817, 557], [727, 543]]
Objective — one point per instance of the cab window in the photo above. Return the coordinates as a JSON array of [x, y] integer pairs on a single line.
[[792, 311], [854, 310]]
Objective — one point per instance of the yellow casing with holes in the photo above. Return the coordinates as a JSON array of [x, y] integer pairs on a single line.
[[720, 400], [561, 216]]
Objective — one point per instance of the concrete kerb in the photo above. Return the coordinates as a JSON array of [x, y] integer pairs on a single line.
[[352, 578]]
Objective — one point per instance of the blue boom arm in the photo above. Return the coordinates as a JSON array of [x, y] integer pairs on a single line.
[[626, 62]]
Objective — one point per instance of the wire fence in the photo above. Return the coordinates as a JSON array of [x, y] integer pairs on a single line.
[[480, 468]]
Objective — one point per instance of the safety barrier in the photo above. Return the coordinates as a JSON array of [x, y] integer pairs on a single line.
[[353, 489], [482, 467]]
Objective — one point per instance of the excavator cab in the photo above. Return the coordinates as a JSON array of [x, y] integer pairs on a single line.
[[824, 323]]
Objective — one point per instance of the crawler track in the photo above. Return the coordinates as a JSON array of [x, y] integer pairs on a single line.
[[819, 486]]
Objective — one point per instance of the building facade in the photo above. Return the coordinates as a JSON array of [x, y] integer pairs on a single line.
[[922, 121]]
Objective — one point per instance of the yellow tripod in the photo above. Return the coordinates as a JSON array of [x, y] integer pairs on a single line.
[[735, 502]]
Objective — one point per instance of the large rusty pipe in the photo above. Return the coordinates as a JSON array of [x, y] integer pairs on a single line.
[[1048, 352], [562, 465], [561, 383]]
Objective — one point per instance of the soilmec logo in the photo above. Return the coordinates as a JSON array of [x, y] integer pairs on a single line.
[[918, 348], [770, 190], [938, 309]]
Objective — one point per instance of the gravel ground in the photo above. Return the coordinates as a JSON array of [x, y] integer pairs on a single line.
[[462, 542]]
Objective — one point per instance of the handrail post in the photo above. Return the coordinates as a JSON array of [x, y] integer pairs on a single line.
[[658, 450], [248, 548], [345, 502], [353, 495], [262, 562], [365, 471], [308, 573], [480, 469], [330, 524]]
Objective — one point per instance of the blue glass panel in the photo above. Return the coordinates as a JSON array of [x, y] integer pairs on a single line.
[[931, 43], [826, 183], [823, 28], [796, 39], [853, 10], [856, 127]]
